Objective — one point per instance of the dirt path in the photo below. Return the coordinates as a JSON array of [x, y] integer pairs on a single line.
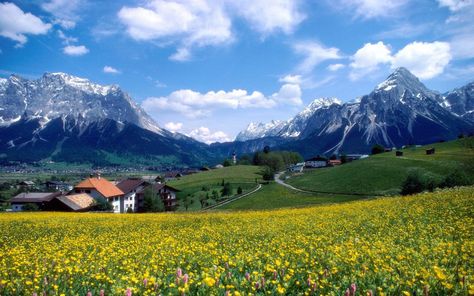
[[233, 199]]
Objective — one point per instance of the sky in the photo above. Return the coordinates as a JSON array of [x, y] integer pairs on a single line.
[[207, 68]]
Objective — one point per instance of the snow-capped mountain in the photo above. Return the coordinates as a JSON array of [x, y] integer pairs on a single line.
[[59, 94], [260, 130], [399, 111]]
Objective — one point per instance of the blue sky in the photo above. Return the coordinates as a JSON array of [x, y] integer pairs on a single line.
[[207, 68]]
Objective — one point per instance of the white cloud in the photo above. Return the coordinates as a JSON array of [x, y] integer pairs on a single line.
[[203, 134], [425, 60], [292, 79], [66, 39], [181, 55], [335, 67], [194, 104], [65, 11], [174, 126], [111, 70], [74, 50], [368, 59], [191, 23], [368, 9], [265, 17], [16, 24], [289, 94], [314, 54], [455, 5]]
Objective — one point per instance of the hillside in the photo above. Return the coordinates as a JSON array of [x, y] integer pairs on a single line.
[[383, 174]]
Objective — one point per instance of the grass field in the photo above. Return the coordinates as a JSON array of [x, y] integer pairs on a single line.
[[274, 196], [385, 246], [239, 176], [383, 174]]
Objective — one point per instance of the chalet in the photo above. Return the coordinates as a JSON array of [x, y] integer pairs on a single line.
[[26, 185], [296, 168], [58, 186], [398, 153], [316, 162], [351, 157], [167, 195], [133, 190], [98, 187], [334, 162], [172, 176], [430, 151], [53, 201]]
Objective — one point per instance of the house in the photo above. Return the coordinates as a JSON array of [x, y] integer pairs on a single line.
[[98, 187], [172, 176], [351, 157], [167, 195], [26, 185], [398, 153], [133, 189], [430, 151], [296, 168], [218, 166], [334, 162], [316, 162], [58, 186], [53, 201]]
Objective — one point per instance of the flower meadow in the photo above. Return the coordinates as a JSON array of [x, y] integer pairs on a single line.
[[417, 245]]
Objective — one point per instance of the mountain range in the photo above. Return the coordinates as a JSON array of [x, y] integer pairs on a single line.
[[61, 117], [399, 111]]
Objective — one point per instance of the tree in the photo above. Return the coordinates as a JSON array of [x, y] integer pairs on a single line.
[[333, 157], [227, 163], [456, 178], [267, 173], [202, 200], [102, 205], [343, 158], [227, 190], [414, 183], [187, 201], [205, 188], [152, 201], [266, 149], [222, 183], [245, 160], [215, 195], [239, 190], [377, 149]]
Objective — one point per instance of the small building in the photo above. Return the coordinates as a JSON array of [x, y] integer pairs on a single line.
[[172, 176], [26, 185], [334, 162], [316, 162], [218, 166], [296, 168], [398, 153], [133, 190], [167, 195], [98, 187], [430, 151], [53, 201], [351, 157], [58, 186]]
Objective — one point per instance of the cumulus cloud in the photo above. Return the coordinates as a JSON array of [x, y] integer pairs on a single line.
[[65, 11], [368, 59], [314, 54], [174, 126], [368, 9], [203, 134], [74, 50], [16, 24], [293, 79], [193, 104], [425, 60], [111, 70], [283, 15], [189, 24], [335, 67]]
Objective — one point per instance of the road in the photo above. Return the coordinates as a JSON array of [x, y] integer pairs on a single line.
[[277, 179], [234, 199]]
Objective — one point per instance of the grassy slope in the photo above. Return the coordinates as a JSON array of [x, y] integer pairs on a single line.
[[273, 196], [382, 174], [243, 176]]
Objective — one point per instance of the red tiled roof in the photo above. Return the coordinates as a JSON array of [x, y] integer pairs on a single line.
[[105, 187]]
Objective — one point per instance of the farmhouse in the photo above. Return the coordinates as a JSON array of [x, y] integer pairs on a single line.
[[316, 162], [430, 151], [167, 195], [98, 187], [53, 201], [334, 162], [58, 186], [26, 184], [172, 176], [133, 190], [296, 168]]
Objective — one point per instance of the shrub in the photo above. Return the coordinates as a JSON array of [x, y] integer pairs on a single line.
[[456, 178], [239, 190], [414, 183], [267, 173], [377, 149], [102, 205]]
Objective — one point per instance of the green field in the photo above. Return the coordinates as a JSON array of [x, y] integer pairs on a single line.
[[273, 196], [383, 174], [238, 176]]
